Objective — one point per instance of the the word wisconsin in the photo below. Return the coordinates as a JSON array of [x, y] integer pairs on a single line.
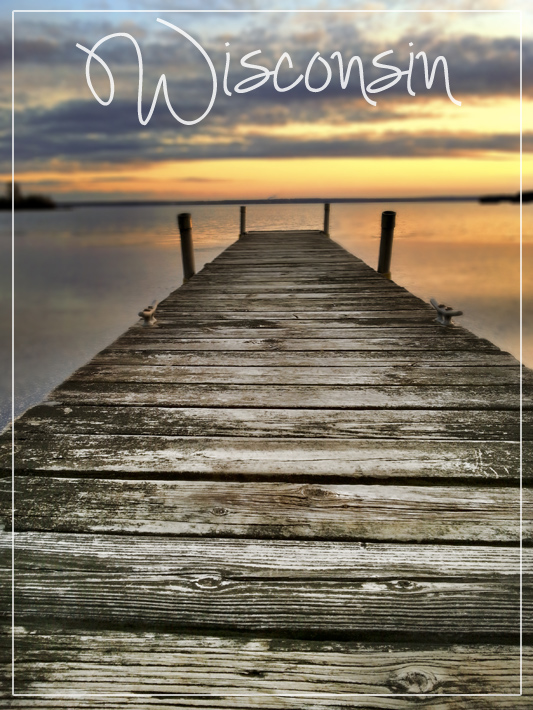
[[256, 80]]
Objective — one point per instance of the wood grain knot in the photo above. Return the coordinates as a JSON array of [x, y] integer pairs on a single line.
[[403, 584], [317, 492], [253, 673], [413, 680], [219, 511], [256, 323], [208, 581]]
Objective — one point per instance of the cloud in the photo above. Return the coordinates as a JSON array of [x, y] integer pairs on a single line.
[[57, 118], [88, 134], [479, 65]]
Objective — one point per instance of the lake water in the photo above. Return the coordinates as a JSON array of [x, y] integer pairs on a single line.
[[82, 275]]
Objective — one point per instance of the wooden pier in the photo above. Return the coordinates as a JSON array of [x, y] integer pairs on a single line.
[[296, 490]]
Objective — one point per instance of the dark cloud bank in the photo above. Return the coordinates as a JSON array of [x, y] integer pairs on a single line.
[[84, 131]]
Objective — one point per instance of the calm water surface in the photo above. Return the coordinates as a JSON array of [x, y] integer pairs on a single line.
[[82, 275]]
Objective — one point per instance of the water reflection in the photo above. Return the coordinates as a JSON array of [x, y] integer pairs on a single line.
[[463, 254], [82, 275]]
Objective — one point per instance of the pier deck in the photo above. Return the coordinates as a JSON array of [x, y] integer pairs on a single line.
[[296, 489]]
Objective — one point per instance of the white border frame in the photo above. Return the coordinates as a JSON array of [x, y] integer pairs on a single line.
[[296, 694]]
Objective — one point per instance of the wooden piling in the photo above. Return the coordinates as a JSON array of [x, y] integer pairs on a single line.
[[187, 250], [326, 218], [243, 221], [388, 220]]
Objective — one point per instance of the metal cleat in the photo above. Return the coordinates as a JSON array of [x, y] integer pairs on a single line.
[[444, 313], [149, 315]]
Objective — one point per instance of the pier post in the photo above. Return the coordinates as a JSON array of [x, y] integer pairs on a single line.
[[326, 218], [187, 251], [388, 220], [243, 221]]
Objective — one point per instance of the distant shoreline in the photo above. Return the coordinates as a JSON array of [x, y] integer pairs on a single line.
[[527, 196], [273, 201]]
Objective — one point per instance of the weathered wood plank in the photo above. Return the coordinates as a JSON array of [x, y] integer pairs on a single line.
[[309, 285], [288, 272], [314, 301], [269, 260], [264, 559], [255, 457], [269, 585], [257, 261], [364, 290], [166, 331], [271, 256], [311, 245], [292, 396], [262, 259], [297, 250], [283, 233], [124, 661], [283, 271], [319, 261], [254, 671], [269, 245], [301, 423], [270, 701], [283, 312], [318, 282], [304, 358], [318, 255], [296, 246], [358, 317], [277, 338], [254, 280], [385, 345], [286, 375], [364, 329], [184, 319], [256, 277], [269, 510], [286, 284]]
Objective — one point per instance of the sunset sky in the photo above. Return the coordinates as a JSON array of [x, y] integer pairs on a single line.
[[265, 143]]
